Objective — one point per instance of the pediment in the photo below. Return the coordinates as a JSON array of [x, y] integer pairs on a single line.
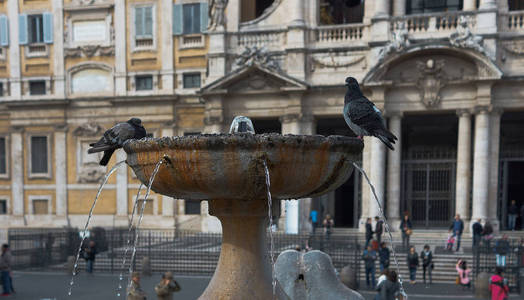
[[254, 79]]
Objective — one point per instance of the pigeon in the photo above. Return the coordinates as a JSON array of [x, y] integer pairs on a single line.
[[363, 117], [115, 137]]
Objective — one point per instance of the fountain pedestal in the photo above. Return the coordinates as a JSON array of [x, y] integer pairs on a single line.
[[244, 269]]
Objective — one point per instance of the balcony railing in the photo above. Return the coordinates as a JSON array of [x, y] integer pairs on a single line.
[[268, 39], [333, 34], [514, 21], [432, 23]]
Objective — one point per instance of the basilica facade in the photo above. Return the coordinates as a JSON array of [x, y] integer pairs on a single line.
[[447, 76]]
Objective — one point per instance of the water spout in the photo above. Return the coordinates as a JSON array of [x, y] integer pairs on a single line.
[[242, 124], [84, 233], [270, 216], [386, 225]]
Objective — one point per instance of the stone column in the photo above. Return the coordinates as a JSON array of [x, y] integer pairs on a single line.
[[168, 203], [470, 5], [122, 209], [463, 177], [14, 50], [382, 8], [297, 213], [494, 166], [366, 191], [394, 170], [167, 45], [60, 147], [399, 7], [58, 48], [296, 12], [120, 48], [17, 171], [377, 176], [480, 164]]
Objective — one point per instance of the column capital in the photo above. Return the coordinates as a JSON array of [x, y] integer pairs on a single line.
[[16, 129], [484, 109], [464, 112]]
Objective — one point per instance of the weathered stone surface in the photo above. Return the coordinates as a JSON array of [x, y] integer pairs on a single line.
[[310, 275], [348, 277], [482, 286]]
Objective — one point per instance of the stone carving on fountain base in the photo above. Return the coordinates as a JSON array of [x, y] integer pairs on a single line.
[[430, 82]]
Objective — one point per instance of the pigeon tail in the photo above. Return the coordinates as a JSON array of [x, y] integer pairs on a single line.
[[107, 156], [386, 137]]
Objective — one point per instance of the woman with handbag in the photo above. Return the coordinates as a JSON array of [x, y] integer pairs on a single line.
[[406, 228]]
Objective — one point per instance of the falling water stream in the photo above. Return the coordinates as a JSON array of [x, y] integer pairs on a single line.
[[383, 217], [133, 253], [270, 216], [84, 235], [128, 244]]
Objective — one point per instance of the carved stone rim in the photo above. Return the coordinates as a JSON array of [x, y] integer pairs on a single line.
[[243, 141]]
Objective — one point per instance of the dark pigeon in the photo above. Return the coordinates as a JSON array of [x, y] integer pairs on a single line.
[[115, 137], [363, 117]]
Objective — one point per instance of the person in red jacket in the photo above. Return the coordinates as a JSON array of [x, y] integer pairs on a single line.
[[498, 286]]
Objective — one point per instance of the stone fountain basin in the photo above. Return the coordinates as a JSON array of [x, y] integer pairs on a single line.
[[230, 166]]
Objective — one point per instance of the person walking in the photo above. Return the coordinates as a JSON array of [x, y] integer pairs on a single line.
[[388, 289], [383, 254], [369, 232], [463, 274], [487, 234], [89, 255], [498, 286], [457, 227], [370, 256], [379, 229], [412, 264], [406, 228], [427, 264], [502, 248], [6, 260], [313, 216], [328, 225], [134, 291], [477, 233], [166, 287], [513, 212]]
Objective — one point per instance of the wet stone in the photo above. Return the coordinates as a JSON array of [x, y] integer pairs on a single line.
[[309, 276]]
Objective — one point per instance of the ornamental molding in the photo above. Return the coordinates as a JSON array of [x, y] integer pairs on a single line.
[[332, 60], [256, 56], [90, 51], [430, 82]]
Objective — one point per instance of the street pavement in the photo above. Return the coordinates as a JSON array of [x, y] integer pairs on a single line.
[[54, 286]]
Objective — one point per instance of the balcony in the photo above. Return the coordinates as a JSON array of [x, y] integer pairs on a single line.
[[513, 21], [339, 35], [435, 25], [271, 39]]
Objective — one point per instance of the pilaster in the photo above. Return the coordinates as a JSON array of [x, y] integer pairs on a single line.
[[120, 48], [58, 48], [168, 203], [494, 165], [167, 45], [399, 7], [60, 147], [14, 51], [17, 171]]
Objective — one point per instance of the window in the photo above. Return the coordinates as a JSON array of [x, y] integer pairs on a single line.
[[3, 206], [144, 26], [144, 82], [251, 12], [341, 12], [516, 5], [192, 207], [39, 155], [191, 80], [36, 29], [191, 18], [148, 209], [40, 206], [37, 87], [1, 89], [428, 6], [3, 156]]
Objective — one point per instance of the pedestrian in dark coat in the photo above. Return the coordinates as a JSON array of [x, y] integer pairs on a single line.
[[379, 229], [513, 213], [406, 229], [457, 227], [487, 234], [389, 289], [477, 233], [370, 256], [89, 255], [383, 254], [166, 287], [427, 263], [412, 264], [6, 261], [369, 232]]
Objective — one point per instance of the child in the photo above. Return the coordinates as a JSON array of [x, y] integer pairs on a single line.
[[451, 241]]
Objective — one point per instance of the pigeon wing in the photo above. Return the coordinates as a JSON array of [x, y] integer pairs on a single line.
[[363, 113], [113, 138]]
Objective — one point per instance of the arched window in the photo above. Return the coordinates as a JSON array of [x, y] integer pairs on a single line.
[[251, 12], [334, 12], [90, 80]]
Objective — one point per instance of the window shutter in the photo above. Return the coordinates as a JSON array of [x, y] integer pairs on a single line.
[[48, 27], [139, 21], [4, 31], [148, 21], [22, 29], [204, 16], [178, 20]]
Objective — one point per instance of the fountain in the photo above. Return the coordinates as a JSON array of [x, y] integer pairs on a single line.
[[228, 170]]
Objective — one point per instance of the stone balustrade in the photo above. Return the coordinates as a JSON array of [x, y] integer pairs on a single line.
[[334, 34], [513, 21], [420, 24], [269, 39]]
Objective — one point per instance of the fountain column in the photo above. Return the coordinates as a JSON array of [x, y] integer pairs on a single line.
[[463, 177], [17, 174], [494, 167], [394, 171], [480, 164], [61, 174]]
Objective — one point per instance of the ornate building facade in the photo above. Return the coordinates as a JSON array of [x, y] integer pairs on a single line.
[[446, 74]]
